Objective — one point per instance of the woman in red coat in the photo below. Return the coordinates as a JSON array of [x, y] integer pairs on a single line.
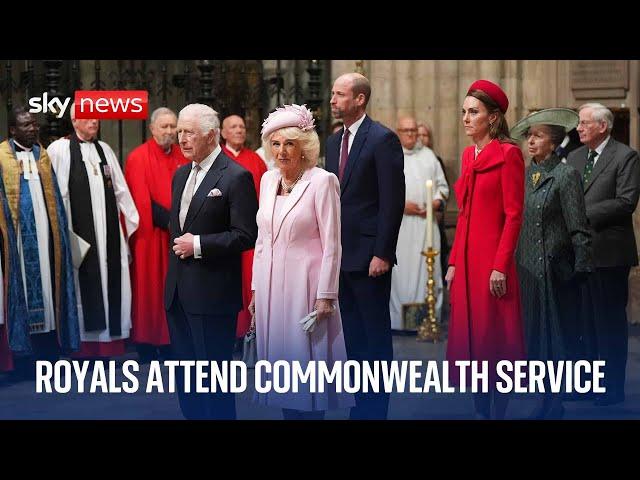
[[486, 323]]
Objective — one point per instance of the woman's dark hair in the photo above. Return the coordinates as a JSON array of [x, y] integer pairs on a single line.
[[500, 128]]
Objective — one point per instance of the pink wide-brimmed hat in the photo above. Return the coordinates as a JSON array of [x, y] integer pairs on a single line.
[[288, 116]]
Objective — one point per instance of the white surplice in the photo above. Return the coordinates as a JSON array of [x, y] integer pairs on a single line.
[[409, 277], [41, 217], [61, 160]]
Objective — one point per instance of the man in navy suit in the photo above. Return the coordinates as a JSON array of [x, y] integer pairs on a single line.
[[212, 220], [368, 159]]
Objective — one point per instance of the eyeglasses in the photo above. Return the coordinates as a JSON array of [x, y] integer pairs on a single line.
[[584, 123], [407, 130]]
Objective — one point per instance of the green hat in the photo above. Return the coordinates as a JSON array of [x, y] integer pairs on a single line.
[[562, 117]]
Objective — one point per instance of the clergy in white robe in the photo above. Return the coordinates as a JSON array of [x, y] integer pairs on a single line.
[[95, 195], [409, 279]]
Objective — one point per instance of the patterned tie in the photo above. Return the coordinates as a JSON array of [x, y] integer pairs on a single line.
[[588, 168], [344, 154], [187, 196]]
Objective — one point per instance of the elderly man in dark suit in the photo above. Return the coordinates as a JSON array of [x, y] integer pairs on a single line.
[[213, 220], [368, 159], [611, 176]]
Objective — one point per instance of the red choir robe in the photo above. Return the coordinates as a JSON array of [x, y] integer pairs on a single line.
[[490, 196], [251, 161], [148, 173]]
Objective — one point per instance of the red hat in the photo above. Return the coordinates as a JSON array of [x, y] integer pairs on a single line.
[[494, 91]]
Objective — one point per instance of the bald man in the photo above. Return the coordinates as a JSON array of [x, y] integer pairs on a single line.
[[410, 275], [367, 158], [234, 133]]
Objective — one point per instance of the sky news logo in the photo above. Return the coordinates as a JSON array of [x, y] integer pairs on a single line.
[[97, 104]]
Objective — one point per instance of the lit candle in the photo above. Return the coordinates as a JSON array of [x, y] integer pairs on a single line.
[[429, 214]]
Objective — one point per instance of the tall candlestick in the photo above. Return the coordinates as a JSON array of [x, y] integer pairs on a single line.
[[429, 213]]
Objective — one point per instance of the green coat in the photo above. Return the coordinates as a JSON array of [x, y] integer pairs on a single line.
[[554, 246]]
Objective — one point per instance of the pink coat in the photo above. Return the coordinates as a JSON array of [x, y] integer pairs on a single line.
[[296, 261]]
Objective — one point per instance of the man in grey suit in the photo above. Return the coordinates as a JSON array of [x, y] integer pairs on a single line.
[[611, 177]]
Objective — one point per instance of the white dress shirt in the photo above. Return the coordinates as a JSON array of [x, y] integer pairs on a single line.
[[205, 165]]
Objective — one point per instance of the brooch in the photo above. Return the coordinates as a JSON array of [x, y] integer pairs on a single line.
[[535, 177]]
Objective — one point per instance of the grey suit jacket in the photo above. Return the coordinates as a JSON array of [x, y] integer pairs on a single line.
[[611, 196]]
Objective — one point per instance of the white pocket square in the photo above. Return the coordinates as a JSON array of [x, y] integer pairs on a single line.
[[214, 193]]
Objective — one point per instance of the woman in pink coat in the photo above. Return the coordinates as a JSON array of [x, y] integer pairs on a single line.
[[296, 263]]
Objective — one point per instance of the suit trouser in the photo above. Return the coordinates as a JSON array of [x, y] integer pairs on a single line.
[[201, 337], [610, 290], [364, 306]]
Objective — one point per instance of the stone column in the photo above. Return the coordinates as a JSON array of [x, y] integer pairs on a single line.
[[512, 83], [425, 95], [404, 90], [469, 72], [633, 97], [447, 118], [382, 106]]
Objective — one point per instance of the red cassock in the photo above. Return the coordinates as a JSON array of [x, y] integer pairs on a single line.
[[148, 173], [251, 161], [490, 195]]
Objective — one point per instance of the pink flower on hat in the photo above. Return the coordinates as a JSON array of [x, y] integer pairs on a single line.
[[288, 116]]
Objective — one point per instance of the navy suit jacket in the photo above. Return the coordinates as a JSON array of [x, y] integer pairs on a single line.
[[212, 285], [372, 194]]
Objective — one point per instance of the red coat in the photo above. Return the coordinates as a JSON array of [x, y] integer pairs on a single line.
[[148, 172], [490, 194], [251, 161]]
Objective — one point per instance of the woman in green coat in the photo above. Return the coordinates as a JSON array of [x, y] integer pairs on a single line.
[[554, 249]]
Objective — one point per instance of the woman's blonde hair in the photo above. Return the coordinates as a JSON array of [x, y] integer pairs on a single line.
[[309, 144]]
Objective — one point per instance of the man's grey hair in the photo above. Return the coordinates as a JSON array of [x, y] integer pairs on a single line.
[[206, 116], [599, 113], [160, 111]]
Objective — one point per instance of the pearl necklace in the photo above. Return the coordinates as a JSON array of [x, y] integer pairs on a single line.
[[288, 188]]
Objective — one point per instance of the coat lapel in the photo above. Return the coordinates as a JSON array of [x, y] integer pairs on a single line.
[[208, 183], [354, 154], [490, 156], [547, 172], [333, 152], [181, 182], [581, 159], [601, 163], [290, 202], [271, 191]]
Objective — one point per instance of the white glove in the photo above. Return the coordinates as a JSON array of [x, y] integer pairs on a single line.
[[309, 322]]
